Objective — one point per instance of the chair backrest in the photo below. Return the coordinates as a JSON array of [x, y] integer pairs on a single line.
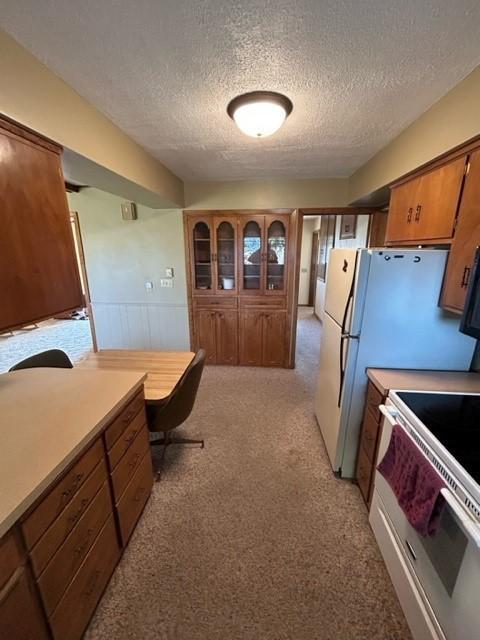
[[180, 403], [51, 358]]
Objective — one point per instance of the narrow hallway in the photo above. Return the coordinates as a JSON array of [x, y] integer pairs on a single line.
[[253, 537]]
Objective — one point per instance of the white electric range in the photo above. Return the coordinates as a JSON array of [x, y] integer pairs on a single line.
[[437, 579]]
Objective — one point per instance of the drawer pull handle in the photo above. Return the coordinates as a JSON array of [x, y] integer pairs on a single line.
[[75, 516], [134, 460], [81, 548], [131, 437], [127, 417], [409, 217], [77, 480], [93, 582], [465, 277], [138, 494]]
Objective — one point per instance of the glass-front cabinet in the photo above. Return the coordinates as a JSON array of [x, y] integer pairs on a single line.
[[239, 254], [225, 255], [202, 253], [276, 231], [252, 255]]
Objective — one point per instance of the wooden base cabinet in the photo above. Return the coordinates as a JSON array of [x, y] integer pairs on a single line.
[[74, 534], [262, 338], [239, 267]]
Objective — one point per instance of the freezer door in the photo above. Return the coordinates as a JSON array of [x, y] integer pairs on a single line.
[[340, 277], [333, 390]]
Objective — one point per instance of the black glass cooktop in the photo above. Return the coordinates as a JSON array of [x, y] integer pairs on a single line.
[[454, 419]]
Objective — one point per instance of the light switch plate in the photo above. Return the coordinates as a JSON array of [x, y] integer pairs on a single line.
[[167, 283], [169, 272]]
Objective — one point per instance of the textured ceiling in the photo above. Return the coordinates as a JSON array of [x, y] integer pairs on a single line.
[[357, 71]]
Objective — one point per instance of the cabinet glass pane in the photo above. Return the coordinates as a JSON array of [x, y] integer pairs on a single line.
[[202, 256], [226, 255], [252, 255], [276, 246]]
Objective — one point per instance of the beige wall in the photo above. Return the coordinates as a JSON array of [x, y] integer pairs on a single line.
[[266, 194], [309, 224], [120, 257], [454, 119], [34, 96]]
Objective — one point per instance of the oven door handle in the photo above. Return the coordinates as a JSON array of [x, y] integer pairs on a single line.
[[391, 418], [470, 528]]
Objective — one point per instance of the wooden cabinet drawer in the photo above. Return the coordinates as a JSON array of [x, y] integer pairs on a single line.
[[213, 302], [121, 422], [61, 495], [370, 431], [127, 466], [55, 535], [11, 556], [373, 401], [65, 563], [79, 601], [21, 617], [263, 301], [126, 439], [364, 474], [135, 497]]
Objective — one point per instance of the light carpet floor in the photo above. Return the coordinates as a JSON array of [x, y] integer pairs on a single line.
[[72, 336], [253, 537]]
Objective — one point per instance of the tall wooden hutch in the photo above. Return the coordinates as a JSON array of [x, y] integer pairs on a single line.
[[240, 271]]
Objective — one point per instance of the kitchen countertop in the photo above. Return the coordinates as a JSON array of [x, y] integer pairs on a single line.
[[47, 417], [404, 379]]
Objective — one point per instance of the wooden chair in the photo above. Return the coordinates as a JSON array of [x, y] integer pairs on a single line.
[[51, 358], [165, 415]]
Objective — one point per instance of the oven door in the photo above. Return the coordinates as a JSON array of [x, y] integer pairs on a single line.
[[445, 566]]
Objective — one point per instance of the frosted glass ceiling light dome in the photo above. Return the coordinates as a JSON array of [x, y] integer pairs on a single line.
[[260, 113]]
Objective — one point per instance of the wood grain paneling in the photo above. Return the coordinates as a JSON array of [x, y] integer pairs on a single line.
[[38, 269]]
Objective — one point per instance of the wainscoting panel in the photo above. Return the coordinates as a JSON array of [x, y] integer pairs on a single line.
[[141, 326]]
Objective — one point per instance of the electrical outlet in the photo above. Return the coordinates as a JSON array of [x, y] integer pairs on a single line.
[[167, 283], [169, 272]]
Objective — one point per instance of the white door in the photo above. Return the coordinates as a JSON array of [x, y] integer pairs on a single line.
[[328, 389], [340, 275]]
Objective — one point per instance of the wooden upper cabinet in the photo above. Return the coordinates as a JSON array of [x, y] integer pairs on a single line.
[[424, 209], [38, 269], [200, 239], [465, 241], [252, 254], [225, 255], [276, 254]]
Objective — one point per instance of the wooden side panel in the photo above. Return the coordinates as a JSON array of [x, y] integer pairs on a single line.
[[38, 269], [251, 338], [273, 347], [465, 241], [204, 320], [227, 337]]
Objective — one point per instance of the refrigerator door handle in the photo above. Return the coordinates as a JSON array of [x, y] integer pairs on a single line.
[[350, 297], [344, 337]]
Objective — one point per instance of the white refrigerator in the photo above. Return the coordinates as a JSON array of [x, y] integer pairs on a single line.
[[381, 310]]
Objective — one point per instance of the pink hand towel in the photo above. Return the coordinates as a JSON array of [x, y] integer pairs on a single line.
[[414, 482]]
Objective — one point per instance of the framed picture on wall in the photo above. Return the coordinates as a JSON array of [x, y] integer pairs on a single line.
[[348, 227]]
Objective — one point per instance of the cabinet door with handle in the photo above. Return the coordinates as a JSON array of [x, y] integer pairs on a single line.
[[400, 222], [205, 325], [227, 336], [251, 337], [273, 343], [437, 202], [465, 241], [201, 244], [251, 257], [225, 255]]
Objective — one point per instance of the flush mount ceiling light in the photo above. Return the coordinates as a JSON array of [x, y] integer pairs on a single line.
[[259, 113]]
